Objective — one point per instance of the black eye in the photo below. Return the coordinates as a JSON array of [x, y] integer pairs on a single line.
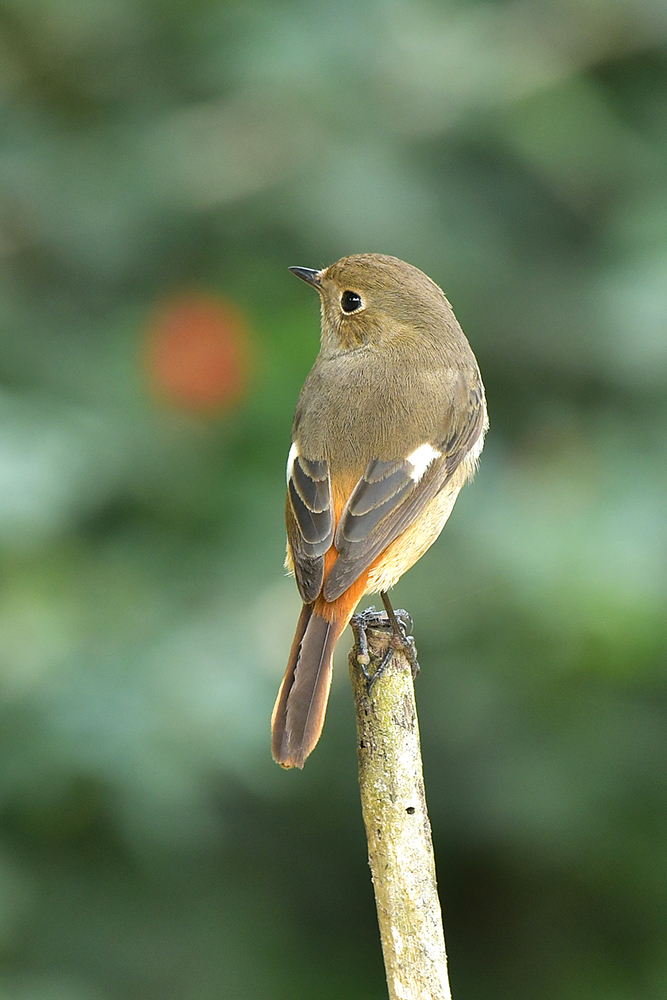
[[350, 301]]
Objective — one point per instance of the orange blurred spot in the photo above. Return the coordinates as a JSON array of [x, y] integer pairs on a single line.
[[197, 353]]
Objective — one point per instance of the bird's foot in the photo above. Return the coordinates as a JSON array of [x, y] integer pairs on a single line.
[[400, 624]]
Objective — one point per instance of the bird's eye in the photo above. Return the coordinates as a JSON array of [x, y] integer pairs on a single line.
[[350, 302]]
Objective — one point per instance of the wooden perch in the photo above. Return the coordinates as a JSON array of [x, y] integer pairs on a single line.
[[400, 849]]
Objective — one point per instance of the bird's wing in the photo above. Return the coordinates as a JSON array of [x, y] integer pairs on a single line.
[[390, 496], [310, 521]]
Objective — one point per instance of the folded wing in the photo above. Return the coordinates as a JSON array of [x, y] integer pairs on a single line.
[[310, 522], [390, 496], [387, 499]]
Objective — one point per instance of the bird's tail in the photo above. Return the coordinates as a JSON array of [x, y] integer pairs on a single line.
[[298, 715]]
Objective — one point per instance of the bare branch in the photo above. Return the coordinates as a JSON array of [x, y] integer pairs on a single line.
[[400, 849]]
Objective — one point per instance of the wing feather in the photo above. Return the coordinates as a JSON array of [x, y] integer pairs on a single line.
[[310, 522], [387, 499], [390, 496]]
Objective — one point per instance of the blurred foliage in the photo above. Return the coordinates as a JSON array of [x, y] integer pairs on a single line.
[[169, 152]]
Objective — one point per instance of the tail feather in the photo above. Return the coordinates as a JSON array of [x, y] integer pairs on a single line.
[[279, 739], [298, 716]]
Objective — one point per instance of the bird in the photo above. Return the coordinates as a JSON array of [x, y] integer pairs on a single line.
[[388, 427]]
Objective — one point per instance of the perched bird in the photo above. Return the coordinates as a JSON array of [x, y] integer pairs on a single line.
[[389, 425]]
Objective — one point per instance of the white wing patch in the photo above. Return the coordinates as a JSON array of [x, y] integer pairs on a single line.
[[421, 458], [293, 454], [476, 449], [473, 455]]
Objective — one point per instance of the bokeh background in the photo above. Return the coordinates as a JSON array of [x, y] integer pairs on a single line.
[[162, 163]]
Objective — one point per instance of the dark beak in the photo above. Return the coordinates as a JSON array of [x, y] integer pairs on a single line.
[[308, 275]]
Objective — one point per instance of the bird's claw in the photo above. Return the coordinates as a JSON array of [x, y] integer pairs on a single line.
[[370, 618]]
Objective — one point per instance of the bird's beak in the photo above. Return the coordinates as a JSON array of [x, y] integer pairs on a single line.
[[308, 275]]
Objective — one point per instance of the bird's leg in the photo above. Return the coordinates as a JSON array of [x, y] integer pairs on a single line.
[[400, 638], [393, 621], [399, 622]]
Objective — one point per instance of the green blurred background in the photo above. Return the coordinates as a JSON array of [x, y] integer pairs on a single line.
[[162, 163]]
